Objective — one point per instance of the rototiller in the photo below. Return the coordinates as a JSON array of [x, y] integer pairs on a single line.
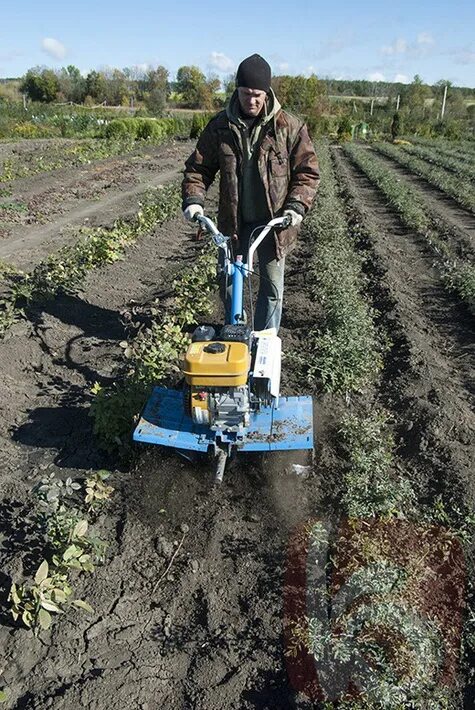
[[230, 399]]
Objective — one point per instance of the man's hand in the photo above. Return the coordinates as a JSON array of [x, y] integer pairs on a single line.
[[192, 212], [295, 217]]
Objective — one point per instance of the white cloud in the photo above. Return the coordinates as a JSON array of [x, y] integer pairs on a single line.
[[221, 62], [376, 76], [282, 66], [401, 79], [400, 46], [53, 47], [425, 38]]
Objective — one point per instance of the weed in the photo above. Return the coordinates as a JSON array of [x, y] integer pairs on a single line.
[[97, 491]]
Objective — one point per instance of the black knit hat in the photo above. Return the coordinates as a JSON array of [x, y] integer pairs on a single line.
[[254, 73]]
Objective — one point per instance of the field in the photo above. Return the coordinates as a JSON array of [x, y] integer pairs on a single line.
[[188, 607]]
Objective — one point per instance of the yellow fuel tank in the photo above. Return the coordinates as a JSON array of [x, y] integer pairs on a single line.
[[217, 364]]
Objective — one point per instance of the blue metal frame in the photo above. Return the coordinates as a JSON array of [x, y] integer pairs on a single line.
[[165, 422], [238, 274]]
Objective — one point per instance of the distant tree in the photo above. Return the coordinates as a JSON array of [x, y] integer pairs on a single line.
[[40, 85], [157, 90], [72, 85], [96, 86], [196, 90], [229, 84]]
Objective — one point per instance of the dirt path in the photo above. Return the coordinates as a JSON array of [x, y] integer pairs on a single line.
[[441, 204], [94, 195]]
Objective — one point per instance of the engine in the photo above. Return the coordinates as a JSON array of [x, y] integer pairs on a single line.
[[230, 376]]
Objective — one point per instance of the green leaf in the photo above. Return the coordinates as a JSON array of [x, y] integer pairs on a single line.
[[42, 572], [44, 618], [3, 696], [70, 552], [81, 604], [80, 529]]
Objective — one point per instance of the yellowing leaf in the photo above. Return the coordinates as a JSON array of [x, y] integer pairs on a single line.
[[44, 618], [81, 604], [81, 529], [42, 572]]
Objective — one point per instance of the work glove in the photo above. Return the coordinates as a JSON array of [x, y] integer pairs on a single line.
[[193, 211], [295, 217]]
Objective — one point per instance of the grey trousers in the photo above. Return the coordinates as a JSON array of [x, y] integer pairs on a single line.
[[270, 293]]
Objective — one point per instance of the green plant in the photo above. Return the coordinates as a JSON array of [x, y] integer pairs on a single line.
[[152, 355], [371, 487], [34, 604], [457, 275], [343, 352]]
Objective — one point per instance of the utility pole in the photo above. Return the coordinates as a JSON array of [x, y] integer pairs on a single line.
[[442, 111], [372, 106], [397, 102]]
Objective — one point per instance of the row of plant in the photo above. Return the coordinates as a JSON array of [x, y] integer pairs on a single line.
[[457, 187], [363, 618], [118, 137], [343, 345], [458, 275], [154, 353], [59, 155], [65, 269], [432, 155], [149, 129], [449, 149], [63, 515]]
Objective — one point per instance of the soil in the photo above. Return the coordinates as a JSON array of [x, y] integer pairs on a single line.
[[442, 207], [44, 212], [188, 609]]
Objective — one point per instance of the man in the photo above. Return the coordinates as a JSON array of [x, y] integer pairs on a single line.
[[268, 168]]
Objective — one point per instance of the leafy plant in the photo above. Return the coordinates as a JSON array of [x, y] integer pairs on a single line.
[[343, 350], [97, 490], [371, 487], [34, 604]]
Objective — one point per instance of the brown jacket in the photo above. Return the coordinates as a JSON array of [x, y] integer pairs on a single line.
[[287, 166]]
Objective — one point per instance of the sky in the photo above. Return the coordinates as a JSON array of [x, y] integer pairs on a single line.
[[342, 40]]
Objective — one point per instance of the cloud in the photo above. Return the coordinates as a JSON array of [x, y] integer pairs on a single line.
[[425, 38], [282, 66], [401, 79], [417, 48], [221, 62], [53, 47], [376, 76], [399, 46]]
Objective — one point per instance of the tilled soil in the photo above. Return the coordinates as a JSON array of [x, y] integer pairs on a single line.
[[442, 207], [45, 211], [188, 608], [429, 375]]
